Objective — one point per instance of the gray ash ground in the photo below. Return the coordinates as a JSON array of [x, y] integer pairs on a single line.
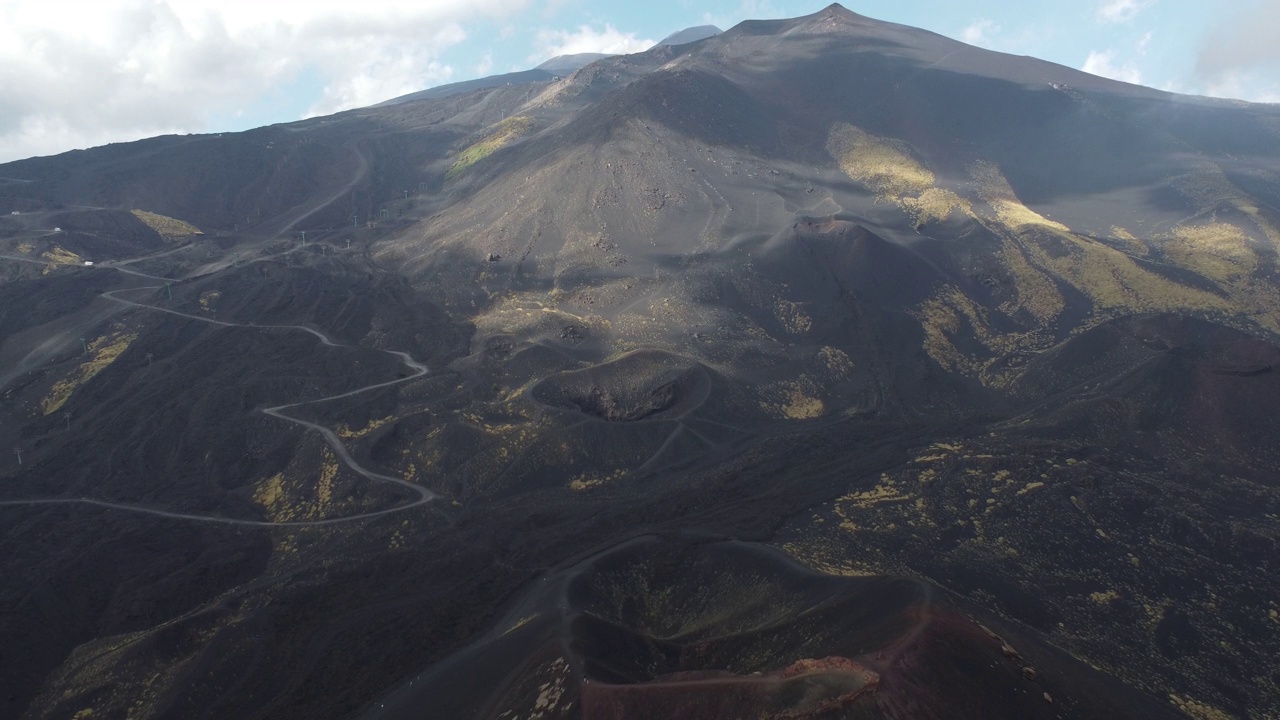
[[822, 368]]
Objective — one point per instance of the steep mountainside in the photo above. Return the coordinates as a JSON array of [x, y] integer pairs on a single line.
[[688, 35], [545, 72], [820, 368]]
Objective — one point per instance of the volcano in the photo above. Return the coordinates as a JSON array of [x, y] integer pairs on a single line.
[[819, 368]]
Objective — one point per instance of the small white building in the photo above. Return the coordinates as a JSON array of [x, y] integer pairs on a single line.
[[88, 263]]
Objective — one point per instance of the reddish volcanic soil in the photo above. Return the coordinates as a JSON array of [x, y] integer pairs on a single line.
[[805, 689], [687, 629]]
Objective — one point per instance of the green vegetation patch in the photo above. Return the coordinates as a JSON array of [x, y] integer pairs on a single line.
[[104, 350], [60, 256], [167, 227], [882, 164], [504, 133]]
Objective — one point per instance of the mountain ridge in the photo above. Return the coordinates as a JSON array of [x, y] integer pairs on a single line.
[[826, 302], [546, 71], [691, 34]]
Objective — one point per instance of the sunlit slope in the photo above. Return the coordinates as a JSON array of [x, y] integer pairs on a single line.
[[881, 302]]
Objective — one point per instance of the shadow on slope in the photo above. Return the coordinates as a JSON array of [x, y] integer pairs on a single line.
[[690, 628]]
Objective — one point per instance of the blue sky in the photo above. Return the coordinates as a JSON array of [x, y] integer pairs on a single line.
[[74, 74], [1156, 43]]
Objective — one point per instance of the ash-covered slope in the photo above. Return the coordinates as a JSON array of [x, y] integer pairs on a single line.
[[692, 34], [885, 302], [547, 71], [840, 216], [742, 630]]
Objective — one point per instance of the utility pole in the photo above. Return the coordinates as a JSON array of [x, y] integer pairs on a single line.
[[406, 194], [68, 417], [84, 346], [169, 287], [304, 236], [348, 243], [19, 451], [355, 220]]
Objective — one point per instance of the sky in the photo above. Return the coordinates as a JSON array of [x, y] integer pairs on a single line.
[[76, 74]]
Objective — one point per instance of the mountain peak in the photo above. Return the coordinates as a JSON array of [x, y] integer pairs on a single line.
[[835, 10], [688, 35], [569, 63], [839, 282], [837, 13], [835, 18]]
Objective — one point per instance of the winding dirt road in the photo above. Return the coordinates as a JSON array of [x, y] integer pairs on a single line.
[[417, 369], [361, 171]]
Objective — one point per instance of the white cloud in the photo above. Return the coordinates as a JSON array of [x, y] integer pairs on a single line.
[[485, 66], [1239, 57], [587, 39], [1144, 42], [1103, 63], [1122, 11], [1242, 49], [1245, 85], [746, 10], [980, 32], [76, 74]]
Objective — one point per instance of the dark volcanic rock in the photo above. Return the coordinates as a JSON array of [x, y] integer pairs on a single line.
[[738, 630], [691, 356], [631, 388]]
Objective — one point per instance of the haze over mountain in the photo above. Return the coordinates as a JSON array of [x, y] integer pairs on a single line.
[[688, 35], [549, 70], [569, 63], [824, 367]]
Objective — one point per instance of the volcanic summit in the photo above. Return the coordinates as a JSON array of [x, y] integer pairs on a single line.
[[819, 368]]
